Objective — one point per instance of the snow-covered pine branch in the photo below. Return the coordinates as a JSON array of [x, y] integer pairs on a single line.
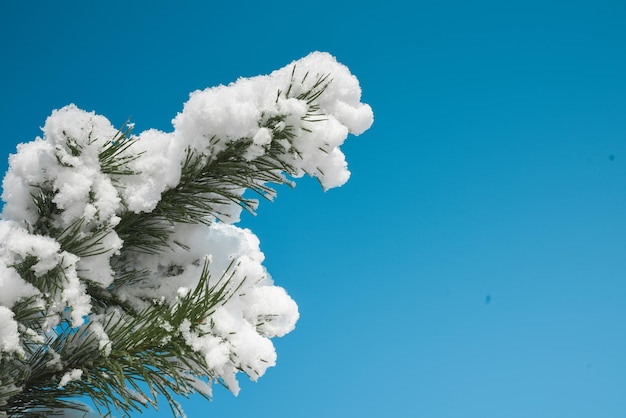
[[120, 262]]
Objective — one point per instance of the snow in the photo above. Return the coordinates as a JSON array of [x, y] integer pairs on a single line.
[[56, 363], [13, 287], [236, 334], [233, 112], [74, 374], [9, 337], [271, 310], [104, 344]]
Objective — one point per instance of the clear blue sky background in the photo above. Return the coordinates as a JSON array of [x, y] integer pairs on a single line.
[[474, 265]]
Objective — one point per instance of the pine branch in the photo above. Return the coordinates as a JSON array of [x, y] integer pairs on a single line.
[[148, 356], [114, 159], [131, 348], [210, 182]]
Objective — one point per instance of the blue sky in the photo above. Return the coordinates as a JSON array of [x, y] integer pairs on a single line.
[[473, 266]]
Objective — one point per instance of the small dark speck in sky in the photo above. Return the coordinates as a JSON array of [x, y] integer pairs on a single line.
[[487, 299], [611, 157]]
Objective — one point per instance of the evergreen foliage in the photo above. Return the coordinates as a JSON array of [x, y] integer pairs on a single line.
[[129, 348]]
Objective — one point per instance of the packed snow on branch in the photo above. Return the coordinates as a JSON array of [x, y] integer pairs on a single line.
[[101, 226]]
